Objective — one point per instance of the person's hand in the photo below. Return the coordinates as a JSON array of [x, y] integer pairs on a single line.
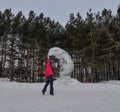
[[44, 78], [48, 57]]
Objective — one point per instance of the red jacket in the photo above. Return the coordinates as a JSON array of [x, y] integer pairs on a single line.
[[48, 70]]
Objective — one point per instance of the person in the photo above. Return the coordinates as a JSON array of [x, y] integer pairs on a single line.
[[49, 77]]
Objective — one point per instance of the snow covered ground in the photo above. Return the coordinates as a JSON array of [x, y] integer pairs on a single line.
[[71, 96]]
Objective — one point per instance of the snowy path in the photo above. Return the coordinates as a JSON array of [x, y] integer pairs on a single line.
[[73, 97]]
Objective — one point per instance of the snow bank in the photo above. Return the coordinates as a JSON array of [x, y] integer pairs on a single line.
[[27, 97]]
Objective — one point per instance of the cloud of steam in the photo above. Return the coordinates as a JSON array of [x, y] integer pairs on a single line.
[[65, 60]]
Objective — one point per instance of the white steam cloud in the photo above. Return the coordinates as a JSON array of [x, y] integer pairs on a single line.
[[65, 60]]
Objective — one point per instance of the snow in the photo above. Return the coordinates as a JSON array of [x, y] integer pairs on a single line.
[[70, 94], [66, 63], [71, 97]]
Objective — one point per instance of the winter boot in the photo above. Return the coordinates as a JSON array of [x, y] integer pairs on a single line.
[[51, 93], [43, 92]]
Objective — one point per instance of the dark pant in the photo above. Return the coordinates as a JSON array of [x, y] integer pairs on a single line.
[[49, 80]]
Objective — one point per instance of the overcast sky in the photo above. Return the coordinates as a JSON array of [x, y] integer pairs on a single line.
[[59, 10]]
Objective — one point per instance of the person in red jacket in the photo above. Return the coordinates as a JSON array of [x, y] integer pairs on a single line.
[[49, 77]]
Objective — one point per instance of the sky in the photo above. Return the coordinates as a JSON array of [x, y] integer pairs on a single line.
[[72, 96], [59, 10]]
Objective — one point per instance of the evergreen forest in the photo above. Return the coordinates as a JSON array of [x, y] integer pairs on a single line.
[[93, 43]]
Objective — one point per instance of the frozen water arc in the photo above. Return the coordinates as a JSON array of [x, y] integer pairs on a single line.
[[65, 60]]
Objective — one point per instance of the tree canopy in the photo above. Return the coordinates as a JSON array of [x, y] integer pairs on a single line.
[[24, 42]]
